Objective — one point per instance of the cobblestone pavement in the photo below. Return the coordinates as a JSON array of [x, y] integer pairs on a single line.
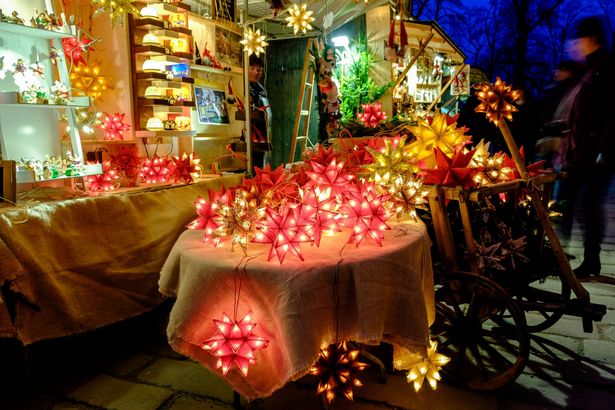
[[131, 367]]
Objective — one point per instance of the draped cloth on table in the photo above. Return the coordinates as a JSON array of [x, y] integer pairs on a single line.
[[386, 294], [76, 265]]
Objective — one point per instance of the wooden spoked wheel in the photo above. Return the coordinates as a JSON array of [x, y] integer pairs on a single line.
[[484, 354], [542, 300]]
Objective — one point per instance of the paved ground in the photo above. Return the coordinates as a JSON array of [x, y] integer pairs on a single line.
[[130, 367]]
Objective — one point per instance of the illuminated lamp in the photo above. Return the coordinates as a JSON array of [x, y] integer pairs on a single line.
[[152, 66], [153, 92], [180, 70], [149, 12], [151, 40], [154, 124]]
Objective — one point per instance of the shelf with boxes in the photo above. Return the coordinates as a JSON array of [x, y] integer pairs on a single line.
[[34, 95], [161, 46]]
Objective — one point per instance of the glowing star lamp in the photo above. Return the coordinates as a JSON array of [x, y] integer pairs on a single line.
[[114, 127], [88, 81], [372, 115], [280, 229], [427, 368], [253, 41], [104, 181], [155, 170], [115, 8], [299, 18], [150, 39], [234, 343], [154, 124], [366, 214]]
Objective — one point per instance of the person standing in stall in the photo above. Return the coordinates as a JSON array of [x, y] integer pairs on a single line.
[[260, 114]]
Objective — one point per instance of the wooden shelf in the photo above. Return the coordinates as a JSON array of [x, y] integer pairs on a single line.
[[106, 142], [164, 9], [163, 133], [159, 50], [208, 69], [156, 24], [28, 176], [32, 31], [161, 76], [11, 99], [160, 101]]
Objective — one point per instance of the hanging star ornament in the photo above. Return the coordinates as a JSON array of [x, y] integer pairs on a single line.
[[299, 18], [105, 181], [272, 188], [114, 127], [439, 131], [186, 168], [427, 368], [496, 100], [493, 170], [337, 367], [234, 343], [88, 81], [366, 214], [452, 171], [115, 8], [332, 175], [253, 41], [325, 210], [372, 115], [75, 48]]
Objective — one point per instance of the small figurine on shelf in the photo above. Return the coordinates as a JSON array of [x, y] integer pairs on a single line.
[[16, 19], [19, 66], [54, 56], [59, 94], [41, 20]]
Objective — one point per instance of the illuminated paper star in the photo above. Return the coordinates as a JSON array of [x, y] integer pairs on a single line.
[[372, 115], [238, 219], [405, 193], [337, 367], [272, 187], [207, 209], [115, 8], [104, 181], [390, 161], [88, 81], [114, 127], [452, 171], [74, 49], [299, 18], [325, 209], [436, 132], [234, 343], [366, 214], [186, 168], [280, 230], [496, 100], [332, 175], [533, 169], [427, 368], [493, 170], [155, 170], [323, 156], [253, 41]]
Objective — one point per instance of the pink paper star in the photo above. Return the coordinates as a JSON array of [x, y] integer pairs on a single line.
[[155, 170], [234, 343], [280, 230], [372, 115], [325, 211], [332, 176], [452, 171], [114, 127], [365, 213], [104, 181]]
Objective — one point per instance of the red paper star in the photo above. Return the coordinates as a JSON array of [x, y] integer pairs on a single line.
[[127, 160], [372, 115], [155, 170], [271, 187], [104, 181], [532, 169], [208, 212], [114, 127], [332, 175], [280, 230], [452, 171], [74, 49], [186, 168], [325, 211], [235, 343], [365, 213], [323, 156]]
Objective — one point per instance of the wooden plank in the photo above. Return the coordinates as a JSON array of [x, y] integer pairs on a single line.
[[8, 191], [443, 230], [468, 234]]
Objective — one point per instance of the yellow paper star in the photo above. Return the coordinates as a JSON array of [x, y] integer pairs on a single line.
[[88, 81], [299, 18], [439, 132], [115, 8], [427, 368], [253, 41], [391, 161], [496, 100]]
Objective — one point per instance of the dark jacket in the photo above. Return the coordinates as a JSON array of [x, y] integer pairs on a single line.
[[590, 117]]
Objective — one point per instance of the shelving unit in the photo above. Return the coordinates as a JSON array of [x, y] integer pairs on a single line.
[[33, 131]]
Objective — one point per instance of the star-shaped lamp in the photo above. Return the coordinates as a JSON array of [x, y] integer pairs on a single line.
[[186, 168], [427, 368], [372, 115], [452, 171], [104, 181], [496, 100], [114, 127], [155, 170], [365, 213], [234, 343], [299, 18], [253, 41]]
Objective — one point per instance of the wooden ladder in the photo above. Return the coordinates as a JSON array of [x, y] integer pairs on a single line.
[[304, 108]]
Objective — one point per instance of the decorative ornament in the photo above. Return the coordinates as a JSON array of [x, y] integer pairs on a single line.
[[496, 100], [74, 49], [104, 181], [187, 168], [427, 368], [272, 188], [487, 258], [234, 343], [299, 18], [493, 170], [155, 170], [208, 212], [253, 41], [324, 211], [59, 93], [88, 81], [115, 8], [365, 213], [280, 230], [439, 131], [452, 171], [331, 176], [114, 127], [390, 162], [372, 115], [239, 219], [337, 367], [532, 169]]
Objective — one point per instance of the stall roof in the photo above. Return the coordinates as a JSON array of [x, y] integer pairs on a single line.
[[441, 42]]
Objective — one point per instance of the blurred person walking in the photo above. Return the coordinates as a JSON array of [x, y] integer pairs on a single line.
[[591, 155]]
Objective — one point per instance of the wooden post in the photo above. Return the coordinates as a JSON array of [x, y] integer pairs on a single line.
[[422, 47], [448, 84], [8, 179]]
